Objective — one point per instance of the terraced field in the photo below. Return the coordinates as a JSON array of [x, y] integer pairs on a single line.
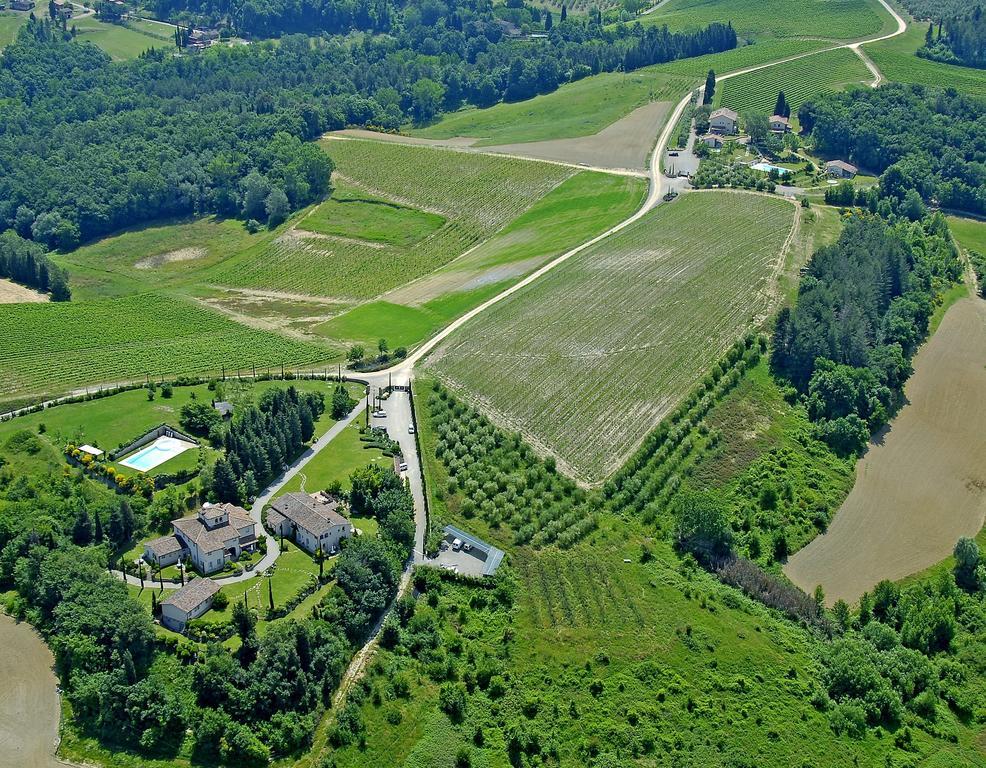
[[473, 194], [51, 348], [589, 358], [836, 19], [801, 80], [896, 60]]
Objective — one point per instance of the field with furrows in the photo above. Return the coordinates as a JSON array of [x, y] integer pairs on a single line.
[[475, 195], [588, 359], [52, 348], [834, 19], [801, 80]]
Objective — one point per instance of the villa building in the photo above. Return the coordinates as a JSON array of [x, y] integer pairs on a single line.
[[312, 522], [188, 603], [218, 534]]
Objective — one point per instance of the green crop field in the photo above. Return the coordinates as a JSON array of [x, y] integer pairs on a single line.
[[588, 359], [354, 214], [474, 194], [573, 212], [51, 348], [834, 19], [118, 41], [971, 233], [587, 106], [576, 109], [896, 59], [163, 254], [801, 80]]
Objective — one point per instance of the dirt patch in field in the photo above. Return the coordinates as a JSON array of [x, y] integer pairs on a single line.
[[625, 144], [29, 709], [443, 283], [12, 293], [922, 485], [160, 259], [289, 313]]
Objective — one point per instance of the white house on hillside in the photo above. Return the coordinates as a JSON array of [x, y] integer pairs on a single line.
[[218, 534], [724, 120], [313, 522]]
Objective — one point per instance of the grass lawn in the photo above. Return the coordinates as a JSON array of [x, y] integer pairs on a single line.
[[353, 213], [120, 42], [337, 461], [896, 59], [115, 420], [970, 233], [10, 23]]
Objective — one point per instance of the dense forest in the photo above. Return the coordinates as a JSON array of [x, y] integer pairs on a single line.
[[59, 532], [924, 139], [88, 146], [961, 39], [863, 307]]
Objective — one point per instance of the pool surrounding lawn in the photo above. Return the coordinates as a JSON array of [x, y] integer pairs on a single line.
[[158, 452]]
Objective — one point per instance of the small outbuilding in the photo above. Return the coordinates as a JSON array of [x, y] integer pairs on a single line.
[[224, 409], [91, 450], [188, 603], [711, 140], [840, 169], [22, 5], [724, 120]]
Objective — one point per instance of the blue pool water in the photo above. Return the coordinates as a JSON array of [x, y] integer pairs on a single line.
[[767, 168], [148, 458]]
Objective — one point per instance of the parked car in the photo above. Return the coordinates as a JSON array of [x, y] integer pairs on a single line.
[[410, 429], [380, 414], [403, 466], [456, 545]]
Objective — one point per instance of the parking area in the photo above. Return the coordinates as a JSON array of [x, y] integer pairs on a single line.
[[464, 553]]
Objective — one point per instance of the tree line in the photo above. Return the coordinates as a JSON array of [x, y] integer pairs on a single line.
[[262, 439], [963, 41], [863, 307], [27, 263], [928, 140]]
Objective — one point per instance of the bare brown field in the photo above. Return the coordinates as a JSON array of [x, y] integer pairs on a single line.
[[12, 293], [922, 484], [29, 708], [624, 144]]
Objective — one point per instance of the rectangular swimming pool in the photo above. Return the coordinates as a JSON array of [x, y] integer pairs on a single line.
[[767, 168], [155, 454]]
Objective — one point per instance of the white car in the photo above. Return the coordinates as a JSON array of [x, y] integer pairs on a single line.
[[380, 414], [403, 466], [410, 429]]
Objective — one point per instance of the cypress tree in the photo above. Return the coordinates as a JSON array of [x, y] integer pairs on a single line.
[[710, 87]]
